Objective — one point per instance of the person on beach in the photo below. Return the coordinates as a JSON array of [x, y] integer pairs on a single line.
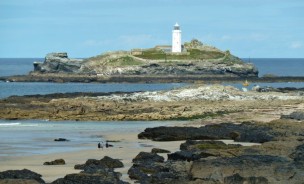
[[108, 145], [99, 145]]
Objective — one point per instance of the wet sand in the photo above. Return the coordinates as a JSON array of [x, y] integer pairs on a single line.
[[126, 149]]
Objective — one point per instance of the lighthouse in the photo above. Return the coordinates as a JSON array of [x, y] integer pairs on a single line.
[[176, 39]]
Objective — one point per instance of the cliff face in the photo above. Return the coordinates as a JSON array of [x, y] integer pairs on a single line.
[[196, 59], [58, 62]]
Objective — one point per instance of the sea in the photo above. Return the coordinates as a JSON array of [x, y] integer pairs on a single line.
[[34, 137], [31, 137]]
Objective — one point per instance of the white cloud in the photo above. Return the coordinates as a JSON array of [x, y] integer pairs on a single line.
[[296, 45]]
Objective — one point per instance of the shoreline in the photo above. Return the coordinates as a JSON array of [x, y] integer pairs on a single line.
[[64, 78], [129, 146], [143, 106]]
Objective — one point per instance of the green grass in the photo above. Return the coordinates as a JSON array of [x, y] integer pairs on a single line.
[[125, 61], [195, 54]]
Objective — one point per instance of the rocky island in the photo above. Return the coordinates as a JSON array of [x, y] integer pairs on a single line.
[[196, 59], [196, 62]]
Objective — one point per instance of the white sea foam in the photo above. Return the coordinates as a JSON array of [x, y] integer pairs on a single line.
[[10, 124], [18, 124]]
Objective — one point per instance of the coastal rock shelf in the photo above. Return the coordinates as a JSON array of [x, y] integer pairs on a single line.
[[193, 102], [279, 159]]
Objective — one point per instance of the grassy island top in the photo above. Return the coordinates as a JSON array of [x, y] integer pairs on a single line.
[[193, 51]]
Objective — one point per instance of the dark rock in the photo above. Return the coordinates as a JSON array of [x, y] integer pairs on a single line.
[[163, 173], [158, 150], [24, 175], [297, 115], [146, 164], [135, 173], [61, 139], [266, 89], [111, 163], [246, 132], [148, 157], [266, 167], [143, 170], [95, 171], [237, 179], [298, 156], [184, 155], [58, 62], [106, 162], [55, 162], [199, 145], [85, 178]]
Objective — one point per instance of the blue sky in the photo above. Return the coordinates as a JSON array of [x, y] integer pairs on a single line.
[[84, 28]]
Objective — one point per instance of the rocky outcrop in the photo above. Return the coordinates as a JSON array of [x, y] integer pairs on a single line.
[[95, 171], [199, 60], [297, 115], [58, 62], [279, 159], [55, 162], [203, 92], [100, 176], [266, 168], [195, 150], [20, 176], [245, 132], [106, 162], [159, 150], [187, 103], [150, 168]]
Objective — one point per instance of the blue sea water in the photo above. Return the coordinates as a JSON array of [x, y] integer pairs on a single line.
[[30, 88], [279, 66], [16, 66], [29, 137]]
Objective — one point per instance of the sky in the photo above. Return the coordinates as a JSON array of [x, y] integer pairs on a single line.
[[85, 28]]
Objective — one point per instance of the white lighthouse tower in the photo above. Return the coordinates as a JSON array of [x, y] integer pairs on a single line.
[[176, 39]]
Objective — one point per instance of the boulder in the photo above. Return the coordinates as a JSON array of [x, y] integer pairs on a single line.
[[184, 155], [158, 150], [297, 115], [156, 172], [55, 162], [58, 62], [95, 171], [84, 178], [237, 179], [22, 176], [106, 162], [148, 157]]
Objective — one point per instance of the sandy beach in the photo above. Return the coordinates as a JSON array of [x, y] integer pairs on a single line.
[[126, 149]]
